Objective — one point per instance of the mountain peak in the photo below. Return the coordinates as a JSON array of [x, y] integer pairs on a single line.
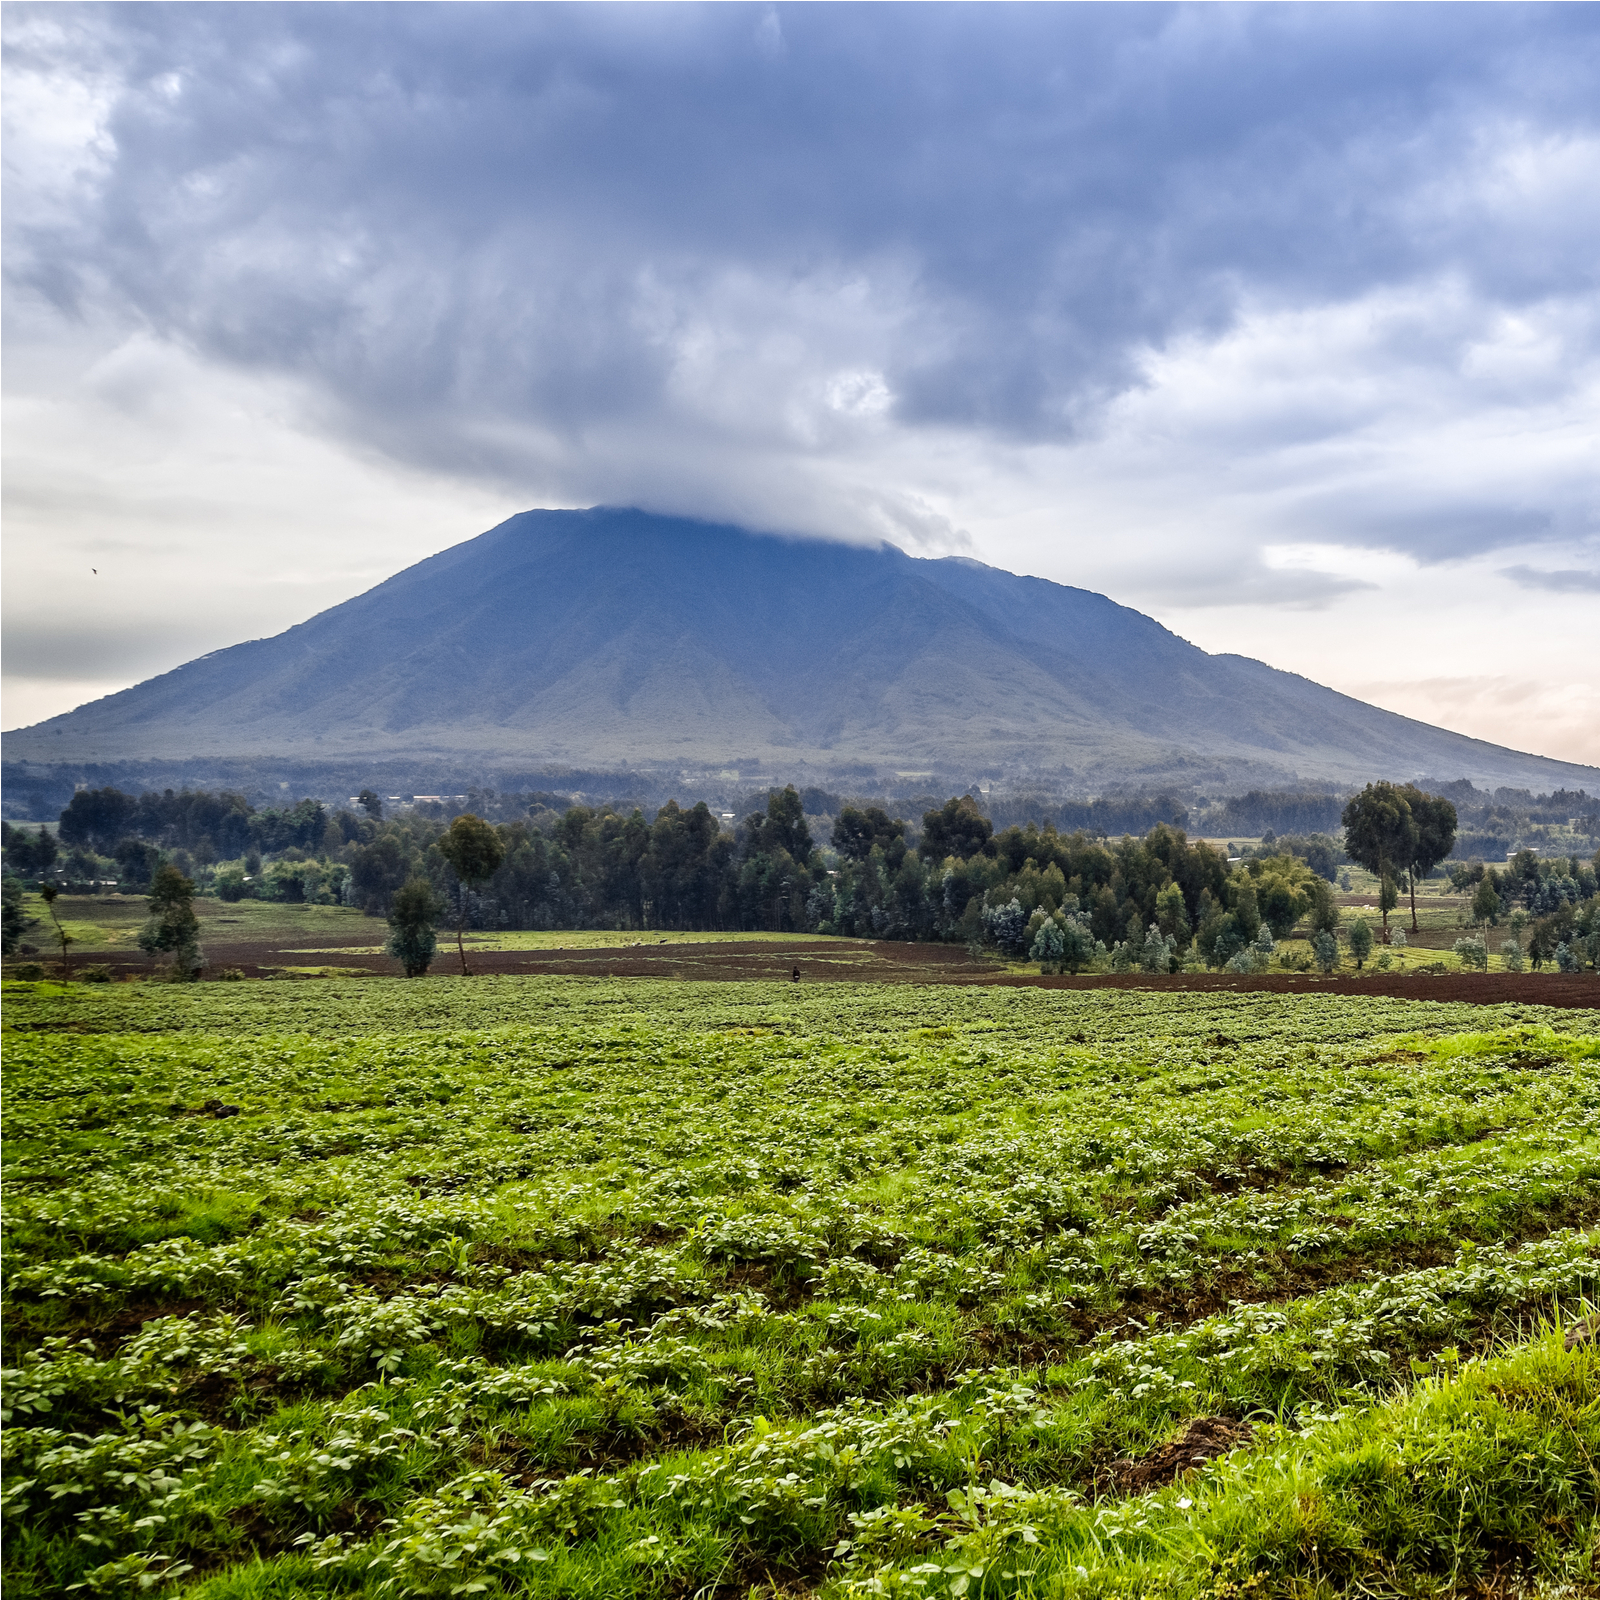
[[617, 637]]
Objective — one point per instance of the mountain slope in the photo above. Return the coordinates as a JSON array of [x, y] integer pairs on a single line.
[[619, 638]]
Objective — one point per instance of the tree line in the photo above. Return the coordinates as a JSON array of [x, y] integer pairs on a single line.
[[1067, 899]]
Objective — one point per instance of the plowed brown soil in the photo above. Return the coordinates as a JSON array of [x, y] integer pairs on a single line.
[[848, 961]]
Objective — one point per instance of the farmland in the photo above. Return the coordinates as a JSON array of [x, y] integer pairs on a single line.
[[576, 1286], [275, 940]]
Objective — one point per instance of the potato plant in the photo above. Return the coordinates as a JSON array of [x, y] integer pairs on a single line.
[[572, 1287]]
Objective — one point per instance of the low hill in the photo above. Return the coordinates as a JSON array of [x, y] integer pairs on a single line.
[[619, 638]]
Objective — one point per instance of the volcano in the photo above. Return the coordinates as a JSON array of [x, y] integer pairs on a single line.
[[619, 638]]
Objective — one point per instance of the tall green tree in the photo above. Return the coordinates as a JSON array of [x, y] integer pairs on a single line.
[[48, 893], [1380, 833], [30, 855], [1324, 909], [1486, 907], [173, 929], [855, 832], [958, 828], [13, 919], [1388, 899], [1435, 837], [412, 913], [98, 818], [1285, 891], [474, 851], [782, 827]]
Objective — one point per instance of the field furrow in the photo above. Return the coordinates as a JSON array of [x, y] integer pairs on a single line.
[[676, 1289]]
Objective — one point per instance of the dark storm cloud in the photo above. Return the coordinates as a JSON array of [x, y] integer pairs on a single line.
[[490, 235]]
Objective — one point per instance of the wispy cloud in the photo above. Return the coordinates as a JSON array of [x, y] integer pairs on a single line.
[[1568, 580]]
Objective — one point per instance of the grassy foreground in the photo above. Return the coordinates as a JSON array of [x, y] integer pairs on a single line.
[[570, 1287]]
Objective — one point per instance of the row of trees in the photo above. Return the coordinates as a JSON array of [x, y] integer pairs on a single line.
[[1120, 901], [210, 827], [1065, 899]]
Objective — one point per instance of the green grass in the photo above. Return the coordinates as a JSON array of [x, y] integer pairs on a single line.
[[595, 1287], [592, 939], [112, 921]]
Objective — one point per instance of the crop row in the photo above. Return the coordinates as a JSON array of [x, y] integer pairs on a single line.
[[740, 1289]]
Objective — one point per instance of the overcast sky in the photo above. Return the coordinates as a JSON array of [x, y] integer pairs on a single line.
[[1280, 324]]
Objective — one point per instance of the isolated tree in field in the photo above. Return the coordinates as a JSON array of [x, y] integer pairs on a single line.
[[1360, 941], [1435, 820], [1511, 950], [474, 851], [48, 893], [412, 940], [1380, 833], [1485, 907], [173, 929]]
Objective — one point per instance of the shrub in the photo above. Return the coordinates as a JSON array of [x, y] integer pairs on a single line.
[[1007, 925], [28, 971], [1158, 952], [1049, 945], [96, 972], [1255, 955], [412, 940], [231, 885], [1325, 952], [1472, 954]]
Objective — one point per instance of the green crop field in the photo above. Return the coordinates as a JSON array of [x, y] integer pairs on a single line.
[[572, 1287]]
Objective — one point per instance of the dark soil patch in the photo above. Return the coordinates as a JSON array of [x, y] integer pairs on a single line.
[[843, 961], [120, 1325], [1574, 991], [1202, 1440]]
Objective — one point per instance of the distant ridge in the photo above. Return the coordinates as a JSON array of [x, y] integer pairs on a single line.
[[618, 638]]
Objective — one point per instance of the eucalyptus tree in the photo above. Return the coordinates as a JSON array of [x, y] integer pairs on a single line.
[[1381, 833], [474, 851], [1435, 836]]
